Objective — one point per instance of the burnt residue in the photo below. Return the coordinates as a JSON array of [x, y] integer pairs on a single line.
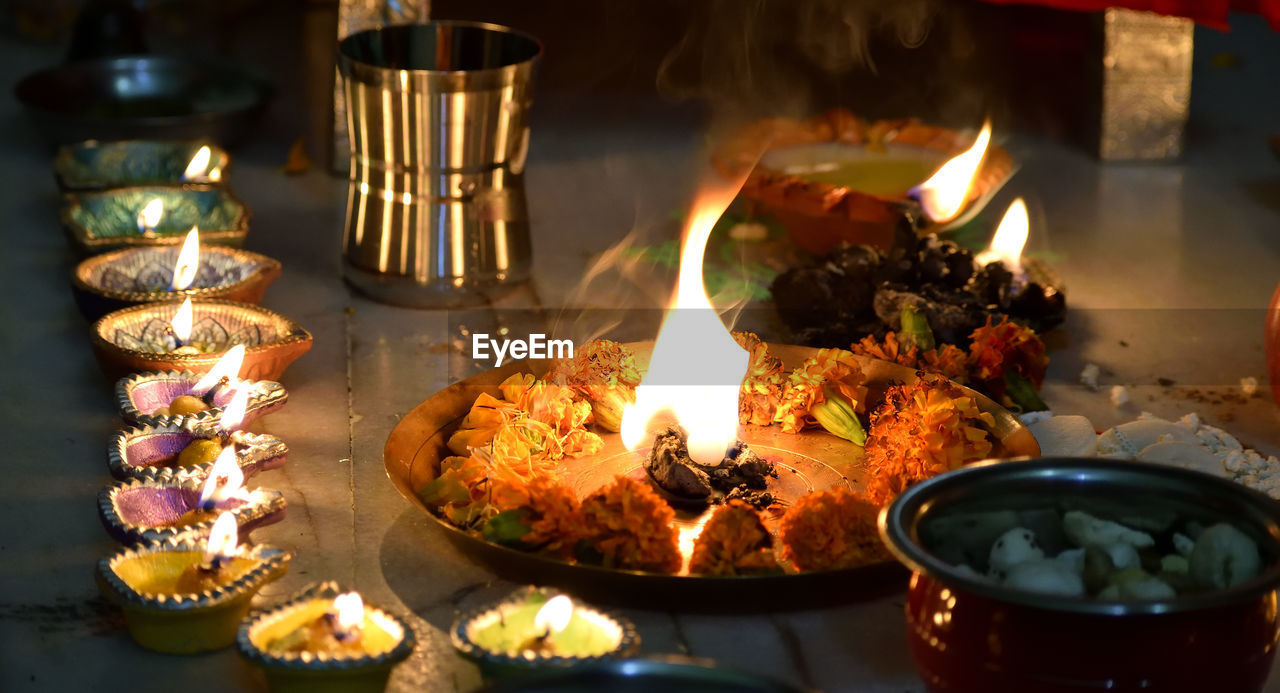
[[97, 616]]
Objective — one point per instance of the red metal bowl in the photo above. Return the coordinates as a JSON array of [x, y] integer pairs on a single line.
[[970, 635]]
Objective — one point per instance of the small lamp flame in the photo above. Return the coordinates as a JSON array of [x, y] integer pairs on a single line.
[[225, 481], [697, 367], [943, 196], [223, 543], [349, 610], [227, 367], [149, 217], [233, 413], [184, 270], [554, 616], [199, 164], [1006, 246], [181, 323]]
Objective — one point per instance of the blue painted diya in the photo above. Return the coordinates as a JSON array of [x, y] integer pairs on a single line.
[[94, 165], [123, 278], [109, 219]]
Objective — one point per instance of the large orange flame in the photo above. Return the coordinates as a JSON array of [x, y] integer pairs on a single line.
[[943, 196], [697, 366]]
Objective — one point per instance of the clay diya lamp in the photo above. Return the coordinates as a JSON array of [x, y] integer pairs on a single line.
[[198, 399], [186, 505], [153, 451], [836, 178], [537, 627], [94, 165], [137, 339], [123, 278], [149, 216], [181, 596], [324, 639]]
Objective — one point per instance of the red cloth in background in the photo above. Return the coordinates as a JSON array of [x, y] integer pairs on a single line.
[[1211, 13]]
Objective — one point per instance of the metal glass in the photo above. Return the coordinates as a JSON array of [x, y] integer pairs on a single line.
[[438, 122]]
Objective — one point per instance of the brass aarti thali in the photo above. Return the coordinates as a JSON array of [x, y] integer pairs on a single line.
[[811, 460]]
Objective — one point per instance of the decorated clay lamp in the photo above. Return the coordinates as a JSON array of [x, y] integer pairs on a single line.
[[189, 595], [150, 451], [197, 400], [173, 505], [325, 639], [95, 165], [536, 627], [145, 338], [100, 220], [132, 276]]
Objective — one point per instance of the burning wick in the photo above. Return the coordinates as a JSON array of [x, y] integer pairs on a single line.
[[223, 374], [184, 271], [347, 617], [224, 483], [943, 196], [551, 619], [1006, 246], [149, 217], [223, 544], [178, 331], [199, 164]]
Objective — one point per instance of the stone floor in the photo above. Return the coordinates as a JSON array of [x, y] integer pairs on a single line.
[[1168, 269]]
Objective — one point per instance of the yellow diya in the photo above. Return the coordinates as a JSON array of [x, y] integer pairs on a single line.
[[325, 639], [183, 595]]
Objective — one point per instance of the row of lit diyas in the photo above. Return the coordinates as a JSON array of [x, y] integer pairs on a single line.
[[189, 578]]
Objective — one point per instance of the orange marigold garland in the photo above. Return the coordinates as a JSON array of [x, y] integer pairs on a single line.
[[920, 431], [761, 390], [734, 541], [1002, 348], [828, 530], [627, 525]]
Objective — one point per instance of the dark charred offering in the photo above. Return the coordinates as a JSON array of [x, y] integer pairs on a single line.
[[860, 290], [742, 474]]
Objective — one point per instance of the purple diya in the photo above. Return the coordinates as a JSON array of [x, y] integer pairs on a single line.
[[150, 452], [154, 509], [123, 278], [135, 339], [142, 394]]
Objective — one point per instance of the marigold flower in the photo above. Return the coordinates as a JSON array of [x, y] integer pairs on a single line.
[[830, 370], [734, 541], [761, 389], [542, 514], [920, 431], [889, 349], [828, 530], [605, 373], [1002, 347], [627, 525], [946, 359]]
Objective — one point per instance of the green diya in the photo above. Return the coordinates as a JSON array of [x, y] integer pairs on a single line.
[[324, 640], [537, 627], [187, 595], [94, 165], [154, 215]]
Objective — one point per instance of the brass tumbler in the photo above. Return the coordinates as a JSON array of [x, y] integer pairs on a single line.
[[438, 122]]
